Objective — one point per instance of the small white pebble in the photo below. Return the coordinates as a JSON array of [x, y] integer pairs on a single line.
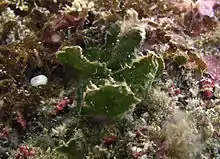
[[55, 38], [39, 80]]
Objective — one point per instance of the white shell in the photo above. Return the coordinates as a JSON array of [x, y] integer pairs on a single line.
[[39, 80]]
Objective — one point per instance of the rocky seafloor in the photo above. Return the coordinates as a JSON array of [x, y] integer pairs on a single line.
[[110, 79]]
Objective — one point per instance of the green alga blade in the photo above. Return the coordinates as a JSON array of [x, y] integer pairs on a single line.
[[161, 65], [74, 57], [98, 53], [142, 73], [124, 50], [103, 53], [110, 100], [180, 59]]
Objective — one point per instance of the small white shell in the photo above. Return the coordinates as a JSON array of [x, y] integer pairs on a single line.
[[39, 80]]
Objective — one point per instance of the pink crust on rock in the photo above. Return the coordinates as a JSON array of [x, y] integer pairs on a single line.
[[206, 7], [213, 63]]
